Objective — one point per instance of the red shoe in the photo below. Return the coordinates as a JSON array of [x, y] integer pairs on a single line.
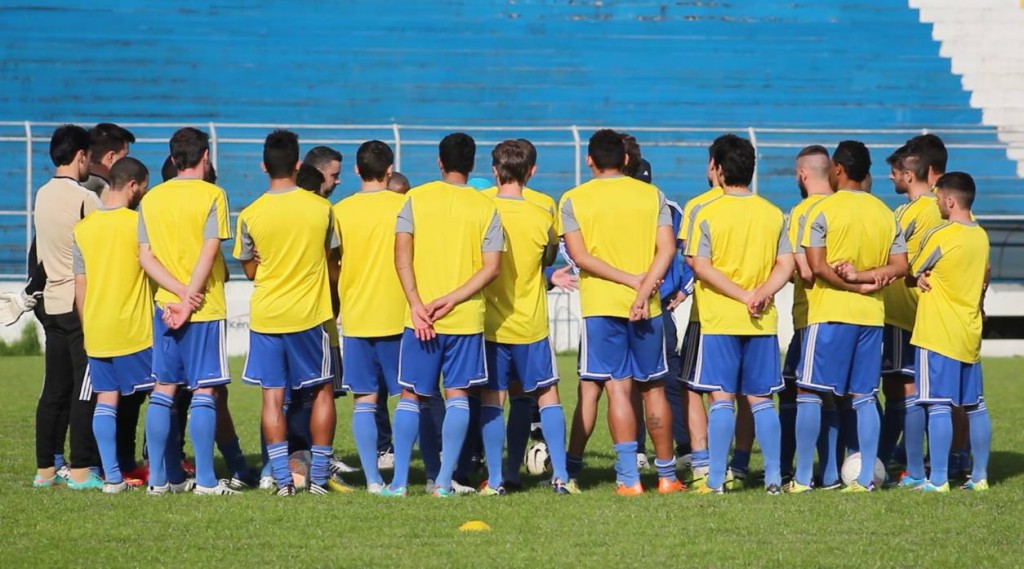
[[134, 482], [670, 487], [188, 467], [634, 490], [140, 473]]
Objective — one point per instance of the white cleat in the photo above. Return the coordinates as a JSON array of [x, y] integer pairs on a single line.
[[385, 460], [115, 488], [171, 488], [339, 467], [374, 488], [429, 487], [462, 489], [267, 483], [219, 490]]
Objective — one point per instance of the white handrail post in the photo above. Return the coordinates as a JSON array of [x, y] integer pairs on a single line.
[[578, 148], [28, 186], [213, 144], [753, 141], [398, 146]]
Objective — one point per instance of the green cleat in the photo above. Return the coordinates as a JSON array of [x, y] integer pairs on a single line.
[[568, 488], [389, 492], [929, 487], [856, 488], [795, 487], [444, 493], [488, 491], [979, 486]]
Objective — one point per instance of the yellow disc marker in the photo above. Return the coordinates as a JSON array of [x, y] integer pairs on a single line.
[[475, 525]]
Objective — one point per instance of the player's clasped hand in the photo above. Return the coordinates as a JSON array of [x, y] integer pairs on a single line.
[[423, 326], [177, 314], [564, 279]]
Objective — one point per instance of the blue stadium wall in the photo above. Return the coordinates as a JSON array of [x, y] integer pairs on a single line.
[[828, 64]]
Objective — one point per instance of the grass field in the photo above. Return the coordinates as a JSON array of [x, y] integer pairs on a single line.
[[61, 528]]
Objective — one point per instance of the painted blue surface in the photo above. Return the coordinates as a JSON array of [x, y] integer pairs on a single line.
[[854, 64]]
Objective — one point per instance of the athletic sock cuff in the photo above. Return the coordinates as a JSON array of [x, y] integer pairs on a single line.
[[762, 406], [720, 405], [162, 399], [862, 400], [808, 399]]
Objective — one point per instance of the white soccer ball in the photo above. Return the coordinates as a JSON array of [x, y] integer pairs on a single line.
[[537, 458], [851, 470]]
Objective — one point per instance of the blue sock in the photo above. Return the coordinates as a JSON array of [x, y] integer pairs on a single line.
[[158, 428], [893, 421], [405, 428], [518, 433], [364, 430], [552, 424], [278, 453], [769, 435], [174, 453], [104, 427], [808, 425], [700, 459], [58, 460], [740, 460], [787, 425], [235, 459], [666, 468], [202, 427], [492, 430], [430, 446], [625, 463], [913, 438], [940, 439], [868, 426], [829, 457], [721, 429], [981, 439], [453, 435], [573, 464], [320, 465]]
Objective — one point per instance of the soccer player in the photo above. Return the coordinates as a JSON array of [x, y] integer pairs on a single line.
[[372, 302], [66, 399], [909, 175], [398, 183], [108, 143], [448, 246], [107, 274], [520, 356], [741, 257], [328, 161], [619, 231], [181, 224], [951, 268], [288, 346], [812, 167], [842, 346]]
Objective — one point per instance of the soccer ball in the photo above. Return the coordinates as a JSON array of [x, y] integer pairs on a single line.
[[537, 458], [851, 470], [299, 462]]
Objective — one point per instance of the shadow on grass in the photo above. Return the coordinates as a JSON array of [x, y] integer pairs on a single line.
[[1005, 465]]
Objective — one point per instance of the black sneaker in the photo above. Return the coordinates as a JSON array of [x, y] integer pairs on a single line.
[[773, 490], [317, 490], [287, 490]]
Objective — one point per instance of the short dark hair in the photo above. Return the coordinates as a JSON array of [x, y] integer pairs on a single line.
[[457, 152], [932, 151], [855, 159], [309, 178], [281, 153], [168, 170], [607, 150], [813, 150], [127, 169], [908, 158], [736, 157], [398, 182], [373, 160], [961, 185], [632, 166], [108, 137], [65, 143], [511, 160], [187, 147], [319, 156], [531, 151], [210, 176]]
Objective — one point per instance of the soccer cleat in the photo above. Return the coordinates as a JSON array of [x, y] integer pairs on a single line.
[[634, 490], [735, 479], [488, 491], [567, 488], [975, 486], [666, 486], [929, 487], [460, 488], [856, 488], [388, 492], [773, 490], [910, 482], [92, 482], [641, 461], [444, 493], [134, 482], [220, 489], [385, 460], [140, 472], [171, 488], [837, 485], [317, 490], [336, 484], [286, 490], [55, 480], [795, 487], [188, 467], [235, 483], [705, 489], [64, 472], [339, 467], [428, 488], [116, 488], [374, 488]]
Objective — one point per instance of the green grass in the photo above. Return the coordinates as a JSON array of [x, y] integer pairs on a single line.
[[58, 527]]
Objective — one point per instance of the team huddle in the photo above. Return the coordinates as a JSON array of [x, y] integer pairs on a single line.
[[438, 295]]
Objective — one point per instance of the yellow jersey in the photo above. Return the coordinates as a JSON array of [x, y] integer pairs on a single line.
[[796, 228], [533, 196], [857, 227], [452, 226], [915, 219], [618, 218], [949, 315], [291, 231], [690, 210], [372, 301], [118, 313], [175, 219], [742, 235], [517, 300]]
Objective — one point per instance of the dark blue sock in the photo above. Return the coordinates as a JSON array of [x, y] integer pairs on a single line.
[[406, 428], [492, 430], [787, 425], [552, 421], [104, 427], [625, 463], [893, 421], [740, 460], [940, 439], [158, 428], [364, 431], [981, 439], [58, 460], [472, 443], [913, 438], [278, 453], [430, 438], [174, 453], [808, 425], [235, 459], [202, 427], [320, 464], [383, 421], [829, 457], [769, 436], [453, 435], [868, 426], [848, 427], [721, 429], [573, 464], [518, 434]]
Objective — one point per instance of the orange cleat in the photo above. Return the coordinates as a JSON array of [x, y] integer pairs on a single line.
[[188, 467], [141, 472], [634, 490], [665, 486]]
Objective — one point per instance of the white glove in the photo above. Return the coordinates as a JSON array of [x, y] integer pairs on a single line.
[[14, 304]]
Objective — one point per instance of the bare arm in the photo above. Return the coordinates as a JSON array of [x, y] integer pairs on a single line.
[[403, 264], [779, 276], [664, 250], [896, 267], [597, 267], [803, 269], [80, 282], [203, 267], [474, 284], [816, 259], [334, 274], [249, 267], [712, 277], [159, 273]]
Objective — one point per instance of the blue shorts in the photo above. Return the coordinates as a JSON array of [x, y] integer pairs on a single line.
[[531, 365], [194, 355], [371, 363], [940, 379], [458, 357], [794, 354], [841, 358], [615, 348], [748, 365], [294, 360], [128, 374], [897, 353], [691, 343]]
